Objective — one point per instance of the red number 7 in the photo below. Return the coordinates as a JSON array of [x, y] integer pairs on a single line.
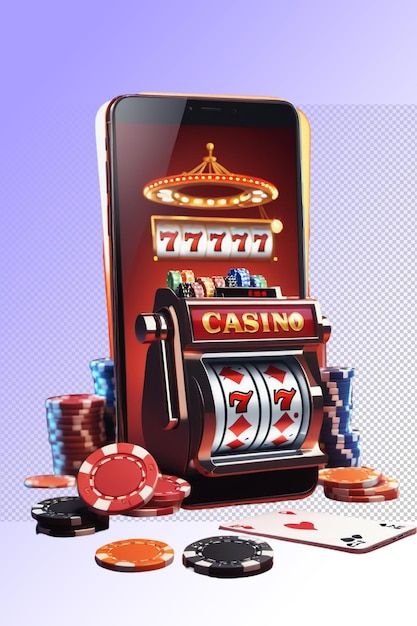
[[242, 400], [286, 398], [171, 236], [242, 241], [195, 237], [219, 240]]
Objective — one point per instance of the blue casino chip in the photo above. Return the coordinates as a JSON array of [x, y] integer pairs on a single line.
[[343, 438], [330, 420], [342, 454], [354, 449], [102, 371], [241, 275], [102, 366], [336, 373], [344, 462]]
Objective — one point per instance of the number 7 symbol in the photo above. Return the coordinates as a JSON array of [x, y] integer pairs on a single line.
[[286, 397], [242, 399]]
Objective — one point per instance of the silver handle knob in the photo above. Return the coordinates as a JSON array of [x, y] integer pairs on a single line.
[[151, 327]]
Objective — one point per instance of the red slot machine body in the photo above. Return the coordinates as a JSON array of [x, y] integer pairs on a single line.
[[220, 381]]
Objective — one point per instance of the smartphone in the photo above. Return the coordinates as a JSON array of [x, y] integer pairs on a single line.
[[146, 139]]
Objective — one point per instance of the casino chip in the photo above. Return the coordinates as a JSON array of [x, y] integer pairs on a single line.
[[349, 477], [231, 281], [74, 401], [386, 484], [117, 477], [102, 371], [228, 557], [170, 490], [208, 286], [134, 555], [336, 373], [187, 276], [49, 481], [173, 279], [241, 275], [69, 424], [81, 439], [72, 532], [218, 281], [103, 365], [258, 281], [383, 497], [198, 290], [151, 510], [185, 290], [63, 512]]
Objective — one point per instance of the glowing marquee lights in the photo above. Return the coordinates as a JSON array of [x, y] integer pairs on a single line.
[[226, 190]]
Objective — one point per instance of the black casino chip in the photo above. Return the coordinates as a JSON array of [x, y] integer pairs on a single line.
[[231, 281], [78, 531], [185, 290], [65, 513], [228, 557]]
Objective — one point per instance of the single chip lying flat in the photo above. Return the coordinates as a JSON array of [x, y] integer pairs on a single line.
[[134, 555], [349, 477]]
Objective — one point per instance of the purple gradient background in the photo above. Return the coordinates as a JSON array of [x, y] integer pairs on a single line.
[[60, 62]]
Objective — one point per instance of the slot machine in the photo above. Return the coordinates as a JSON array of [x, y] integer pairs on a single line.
[[231, 389]]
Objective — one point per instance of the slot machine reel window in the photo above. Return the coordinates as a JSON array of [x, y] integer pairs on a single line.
[[261, 404]]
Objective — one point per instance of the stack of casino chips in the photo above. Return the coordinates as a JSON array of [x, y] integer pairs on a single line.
[[187, 285], [358, 484], [102, 371], [75, 428], [67, 516], [337, 438]]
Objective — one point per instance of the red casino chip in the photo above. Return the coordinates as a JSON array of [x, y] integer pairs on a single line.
[[117, 477], [381, 497], [153, 511], [386, 485], [74, 414], [170, 490], [198, 290], [218, 281], [75, 401], [82, 437]]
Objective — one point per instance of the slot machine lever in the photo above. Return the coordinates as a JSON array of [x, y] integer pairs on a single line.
[[151, 327]]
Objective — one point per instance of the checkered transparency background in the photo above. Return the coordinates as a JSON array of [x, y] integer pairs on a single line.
[[363, 270]]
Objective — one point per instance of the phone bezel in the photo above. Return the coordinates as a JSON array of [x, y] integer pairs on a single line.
[[204, 110]]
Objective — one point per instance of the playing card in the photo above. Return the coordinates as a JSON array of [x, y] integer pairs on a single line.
[[349, 534]]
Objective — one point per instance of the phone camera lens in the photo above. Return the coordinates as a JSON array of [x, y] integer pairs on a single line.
[[190, 108], [234, 111]]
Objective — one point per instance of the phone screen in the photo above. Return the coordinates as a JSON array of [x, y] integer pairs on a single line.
[[201, 185]]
